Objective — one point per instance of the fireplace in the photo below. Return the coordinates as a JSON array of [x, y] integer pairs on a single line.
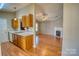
[[58, 32]]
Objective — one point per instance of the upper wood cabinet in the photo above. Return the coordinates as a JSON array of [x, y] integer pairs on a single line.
[[24, 21], [30, 20], [15, 24], [27, 21]]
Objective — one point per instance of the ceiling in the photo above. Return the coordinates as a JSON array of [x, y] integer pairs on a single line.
[[52, 10], [10, 7]]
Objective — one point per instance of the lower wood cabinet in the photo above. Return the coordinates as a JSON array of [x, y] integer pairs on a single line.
[[29, 42], [14, 36], [23, 42]]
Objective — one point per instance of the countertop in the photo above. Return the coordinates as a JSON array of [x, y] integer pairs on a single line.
[[22, 33]]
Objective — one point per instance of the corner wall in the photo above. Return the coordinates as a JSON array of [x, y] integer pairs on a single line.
[[71, 30], [47, 27]]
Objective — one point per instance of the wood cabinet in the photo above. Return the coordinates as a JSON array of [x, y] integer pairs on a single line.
[[24, 21], [15, 24], [23, 42], [29, 42], [27, 21], [30, 20], [14, 39]]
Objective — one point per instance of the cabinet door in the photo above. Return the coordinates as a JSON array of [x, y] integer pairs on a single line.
[[14, 36], [25, 42], [29, 42], [19, 41], [30, 20], [24, 21], [22, 43]]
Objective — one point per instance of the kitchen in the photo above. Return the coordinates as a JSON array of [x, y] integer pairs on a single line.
[[19, 24]]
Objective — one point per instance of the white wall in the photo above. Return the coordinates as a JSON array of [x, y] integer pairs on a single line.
[[29, 9], [8, 16], [71, 30], [47, 27], [5, 25]]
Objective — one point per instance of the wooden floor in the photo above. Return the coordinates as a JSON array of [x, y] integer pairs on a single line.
[[48, 46]]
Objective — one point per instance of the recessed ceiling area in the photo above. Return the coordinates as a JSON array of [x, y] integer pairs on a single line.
[[52, 10], [12, 7]]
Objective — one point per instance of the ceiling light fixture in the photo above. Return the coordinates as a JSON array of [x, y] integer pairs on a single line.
[[15, 17], [1, 5], [42, 16]]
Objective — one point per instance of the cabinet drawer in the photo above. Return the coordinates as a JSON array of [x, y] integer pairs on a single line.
[[14, 39], [22, 43]]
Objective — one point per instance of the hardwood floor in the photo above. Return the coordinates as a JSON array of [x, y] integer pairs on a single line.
[[48, 46]]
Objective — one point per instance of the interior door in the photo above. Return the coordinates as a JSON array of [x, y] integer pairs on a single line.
[[3, 30]]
